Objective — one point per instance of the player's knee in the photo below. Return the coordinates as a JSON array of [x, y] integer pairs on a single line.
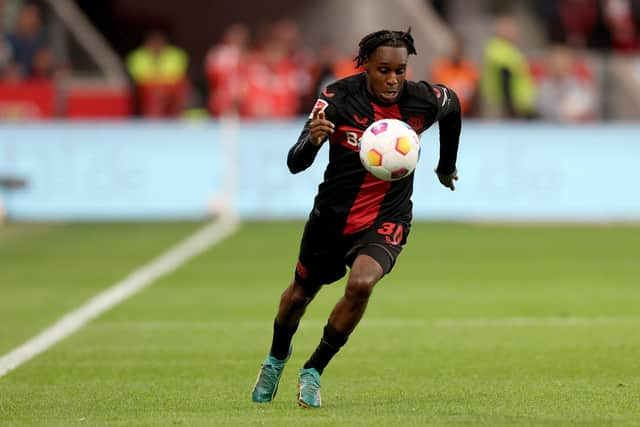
[[298, 296], [359, 288]]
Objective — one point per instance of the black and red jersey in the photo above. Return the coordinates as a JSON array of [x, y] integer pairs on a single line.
[[350, 197]]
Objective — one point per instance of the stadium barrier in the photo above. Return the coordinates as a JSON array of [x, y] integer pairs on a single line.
[[183, 170]]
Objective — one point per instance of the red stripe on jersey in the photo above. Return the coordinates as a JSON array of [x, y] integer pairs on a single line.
[[389, 112], [367, 204], [372, 191]]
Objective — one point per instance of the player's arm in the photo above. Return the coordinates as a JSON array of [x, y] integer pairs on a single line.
[[450, 123], [316, 130]]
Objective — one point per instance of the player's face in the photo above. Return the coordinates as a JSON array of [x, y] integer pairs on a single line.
[[386, 72]]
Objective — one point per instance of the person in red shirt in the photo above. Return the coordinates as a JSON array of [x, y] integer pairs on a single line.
[[225, 66], [273, 86]]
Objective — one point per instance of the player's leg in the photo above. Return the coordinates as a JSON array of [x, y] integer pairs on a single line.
[[375, 255], [293, 302], [318, 264], [365, 273]]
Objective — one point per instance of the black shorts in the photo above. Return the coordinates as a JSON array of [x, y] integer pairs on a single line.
[[325, 252]]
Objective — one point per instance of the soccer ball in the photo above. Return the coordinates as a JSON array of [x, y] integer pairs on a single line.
[[389, 149]]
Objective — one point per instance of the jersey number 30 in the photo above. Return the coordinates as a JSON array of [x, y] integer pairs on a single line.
[[392, 232]]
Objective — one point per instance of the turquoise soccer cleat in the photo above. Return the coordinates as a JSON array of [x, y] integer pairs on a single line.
[[309, 388], [266, 385]]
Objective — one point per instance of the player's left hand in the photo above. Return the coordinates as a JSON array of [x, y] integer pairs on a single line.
[[448, 179]]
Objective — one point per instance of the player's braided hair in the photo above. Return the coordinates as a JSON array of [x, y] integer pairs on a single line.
[[371, 42]]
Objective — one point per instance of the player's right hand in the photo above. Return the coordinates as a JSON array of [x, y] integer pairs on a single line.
[[448, 179], [320, 127]]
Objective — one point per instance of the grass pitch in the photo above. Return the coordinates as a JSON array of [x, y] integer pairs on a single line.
[[477, 325]]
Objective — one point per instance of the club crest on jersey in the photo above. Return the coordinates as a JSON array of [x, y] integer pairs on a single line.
[[320, 104]]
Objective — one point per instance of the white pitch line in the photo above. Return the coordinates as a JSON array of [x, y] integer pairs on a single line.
[[169, 261]]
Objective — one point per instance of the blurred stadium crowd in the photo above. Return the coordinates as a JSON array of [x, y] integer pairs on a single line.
[[267, 72]]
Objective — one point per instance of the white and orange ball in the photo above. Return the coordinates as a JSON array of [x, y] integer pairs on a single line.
[[389, 149]]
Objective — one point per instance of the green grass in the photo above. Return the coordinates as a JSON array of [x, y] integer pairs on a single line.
[[476, 326], [48, 270]]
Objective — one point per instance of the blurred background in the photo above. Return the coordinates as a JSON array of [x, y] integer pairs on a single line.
[[127, 124], [118, 110]]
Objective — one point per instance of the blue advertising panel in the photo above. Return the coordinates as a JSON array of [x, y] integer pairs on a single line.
[[110, 171], [519, 171], [157, 170]]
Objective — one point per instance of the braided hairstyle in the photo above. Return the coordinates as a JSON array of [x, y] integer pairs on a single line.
[[371, 42]]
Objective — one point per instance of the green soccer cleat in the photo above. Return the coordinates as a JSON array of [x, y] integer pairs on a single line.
[[309, 388], [266, 385]]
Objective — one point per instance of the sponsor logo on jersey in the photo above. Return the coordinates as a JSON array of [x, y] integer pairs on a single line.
[[349, 137]]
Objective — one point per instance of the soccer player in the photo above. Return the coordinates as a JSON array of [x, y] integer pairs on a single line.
[[357, 220]]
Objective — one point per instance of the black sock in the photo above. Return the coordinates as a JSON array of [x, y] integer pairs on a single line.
[[330, 343], [282, 336]]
